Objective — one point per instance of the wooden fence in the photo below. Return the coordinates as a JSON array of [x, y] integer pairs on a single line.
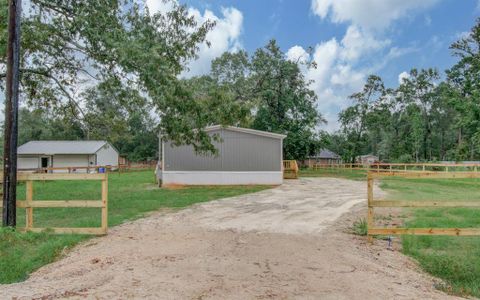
[[72, 169], [29, 204], [375, 203], [422, 167], [290, 169], [92, 169]]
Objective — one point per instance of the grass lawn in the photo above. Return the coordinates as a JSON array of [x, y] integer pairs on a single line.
[[131, 195], [354, 174]]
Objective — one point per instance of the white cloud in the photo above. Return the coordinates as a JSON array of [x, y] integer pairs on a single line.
[[344, 75], [325, 56], [363, 50], [336, 75], [225, 36], [369, 14], [402, 76], [357, 42], [297, 54], [160, 6], [339, 71]]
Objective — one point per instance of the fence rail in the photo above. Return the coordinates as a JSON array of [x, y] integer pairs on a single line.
[[375, 203], [91, 169], [29, 203], [423, 167]]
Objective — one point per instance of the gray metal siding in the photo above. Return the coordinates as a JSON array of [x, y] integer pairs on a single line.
[[238, 151]]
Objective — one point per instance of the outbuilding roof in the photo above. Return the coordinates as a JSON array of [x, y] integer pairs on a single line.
[[247, 130], [61, 147], [325, 153]]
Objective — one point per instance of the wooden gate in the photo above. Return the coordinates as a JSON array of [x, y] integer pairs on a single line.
[[29, 204]]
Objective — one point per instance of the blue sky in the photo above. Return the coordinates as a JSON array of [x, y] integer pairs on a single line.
[[351, 38]]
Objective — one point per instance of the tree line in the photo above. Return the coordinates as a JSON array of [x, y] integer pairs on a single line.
[[111, 70], [428, 117]]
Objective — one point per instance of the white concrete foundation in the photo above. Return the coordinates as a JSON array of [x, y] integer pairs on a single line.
[[221, 178]]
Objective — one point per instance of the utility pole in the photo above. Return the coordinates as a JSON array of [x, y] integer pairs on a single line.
[[11, 115]]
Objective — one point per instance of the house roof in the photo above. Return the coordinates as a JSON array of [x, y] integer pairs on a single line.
[[247, 130], [325, 153], [61, 147], [367, 155]]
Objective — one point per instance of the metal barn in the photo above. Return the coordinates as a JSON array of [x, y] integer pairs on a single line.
[[66, 154], [245, 156]]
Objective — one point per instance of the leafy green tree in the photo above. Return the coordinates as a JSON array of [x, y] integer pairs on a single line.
[[464, 81], [68, 45], [419, 90], [275, 95], [355, 120], [39, 124]]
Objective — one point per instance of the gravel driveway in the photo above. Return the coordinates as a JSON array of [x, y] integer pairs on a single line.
[[290, 242]]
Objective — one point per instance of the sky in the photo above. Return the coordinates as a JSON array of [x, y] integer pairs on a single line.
[[350, 39]]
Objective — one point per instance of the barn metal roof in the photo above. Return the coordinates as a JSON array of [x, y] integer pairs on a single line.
[[247, 130], [61, 147]]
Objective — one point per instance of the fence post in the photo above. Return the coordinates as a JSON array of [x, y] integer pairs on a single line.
[[105, 204], [28, 208], [370, 219]]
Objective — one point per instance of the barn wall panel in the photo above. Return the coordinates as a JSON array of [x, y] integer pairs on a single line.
[[237, 151]]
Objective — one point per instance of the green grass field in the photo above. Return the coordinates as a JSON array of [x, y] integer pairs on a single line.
[[353, 174], [456, 260], [131, 195]]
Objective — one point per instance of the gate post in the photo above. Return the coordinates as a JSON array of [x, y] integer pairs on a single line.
[[370, 219], [105, 204], [28, 202]]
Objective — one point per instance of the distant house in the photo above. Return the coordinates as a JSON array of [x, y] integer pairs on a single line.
[[63, 154], [367, 159], [323, 157], [245, 156]]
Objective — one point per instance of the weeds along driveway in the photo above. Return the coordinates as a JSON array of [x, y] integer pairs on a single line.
[[287, 242]]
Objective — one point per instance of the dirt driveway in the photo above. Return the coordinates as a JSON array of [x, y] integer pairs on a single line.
[[290, 242]]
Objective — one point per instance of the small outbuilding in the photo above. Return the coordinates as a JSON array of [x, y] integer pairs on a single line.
[[245, 156], [323, 157], [66, 154]]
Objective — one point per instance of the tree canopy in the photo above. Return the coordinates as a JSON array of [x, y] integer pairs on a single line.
[[272, 93], [425, 118], [106, 62]]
